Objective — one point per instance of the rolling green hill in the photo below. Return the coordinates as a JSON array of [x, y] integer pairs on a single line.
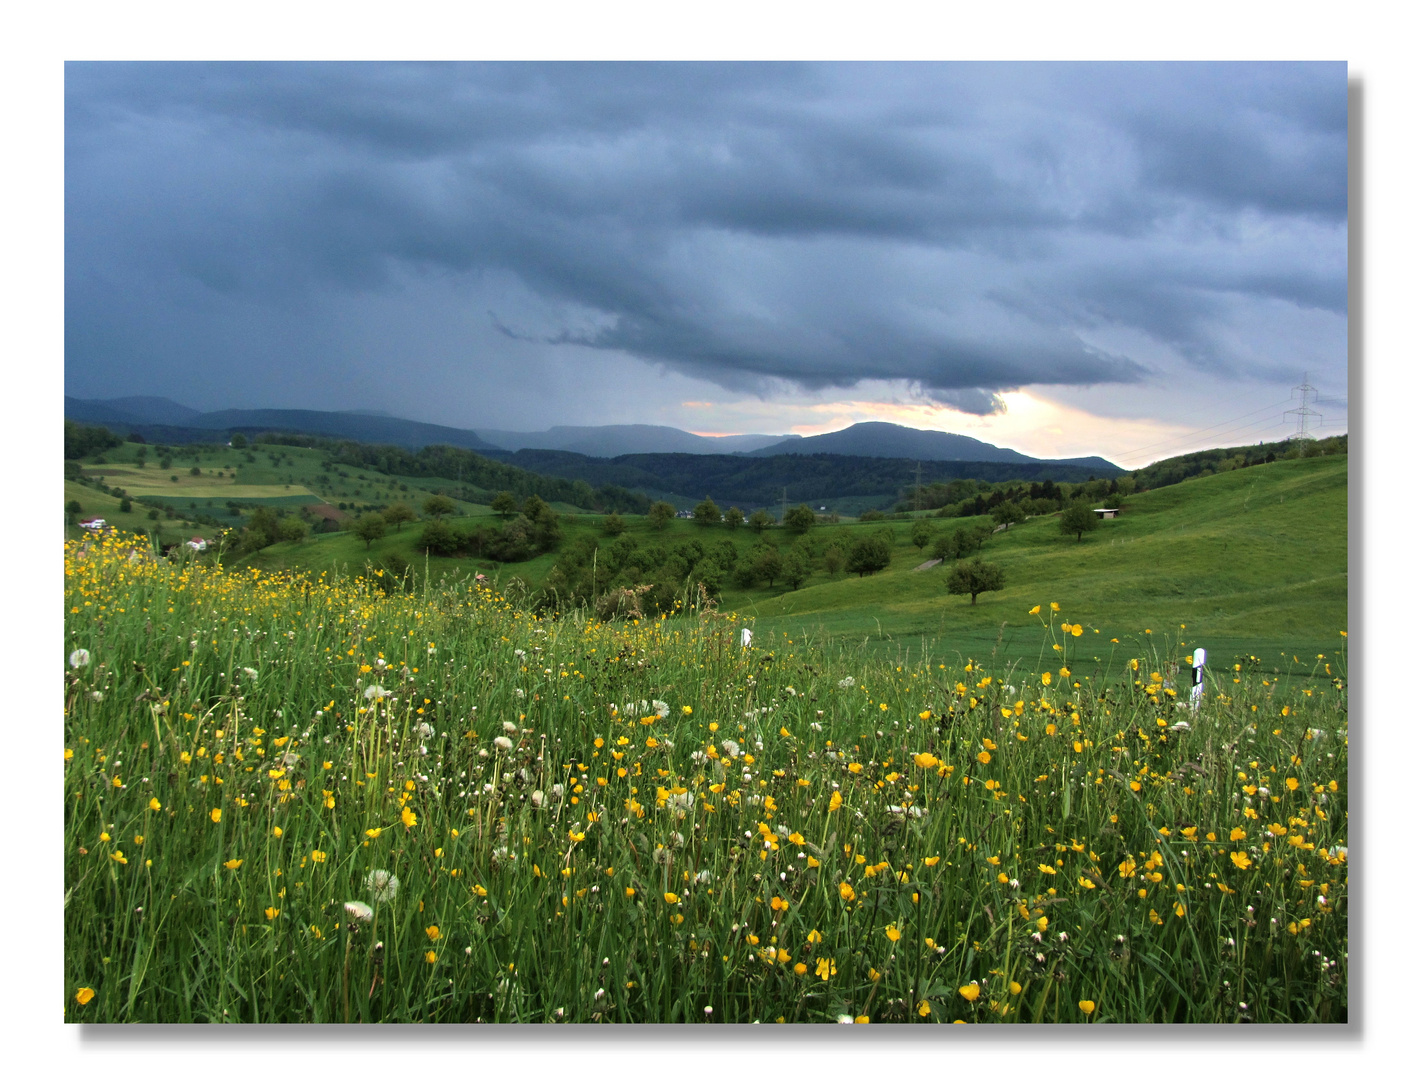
[[1249, 561]]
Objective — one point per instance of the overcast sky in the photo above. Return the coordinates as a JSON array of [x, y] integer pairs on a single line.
[[1122, 259]]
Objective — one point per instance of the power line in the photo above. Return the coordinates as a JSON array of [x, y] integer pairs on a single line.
[[1202, 431]]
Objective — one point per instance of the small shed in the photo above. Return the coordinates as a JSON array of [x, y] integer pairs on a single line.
[[1107, 511]]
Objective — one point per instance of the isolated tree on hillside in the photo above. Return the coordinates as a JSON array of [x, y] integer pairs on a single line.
[[369, 527], [397, 514], [1078, 518], [613, 525], [661, 514], [504, 505], [921, 533], [834, 559], [971, 578], [733, 518], [799, 519], [707, 513]]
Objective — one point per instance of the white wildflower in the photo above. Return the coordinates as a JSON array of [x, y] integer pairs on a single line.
[[425, 730], [510, 727], [80, 658], [731, 748], [847, 682], [503, 742], [681, 803], [661, 709], [382, 884], [253, 675]]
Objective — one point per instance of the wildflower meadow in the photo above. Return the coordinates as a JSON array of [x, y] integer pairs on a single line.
[[295, 798]]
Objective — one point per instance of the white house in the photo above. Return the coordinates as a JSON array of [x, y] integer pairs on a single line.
[[95, 524], [196, 543]]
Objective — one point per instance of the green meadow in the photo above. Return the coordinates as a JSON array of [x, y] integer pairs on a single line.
[[301, 797]]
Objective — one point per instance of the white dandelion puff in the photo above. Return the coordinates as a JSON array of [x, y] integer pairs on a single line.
[[847, 682], [382, 884], [374, 692], [79, 658], [357, 910], [503, 742]]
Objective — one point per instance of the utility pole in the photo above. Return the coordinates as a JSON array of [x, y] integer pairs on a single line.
[[1304, 412]]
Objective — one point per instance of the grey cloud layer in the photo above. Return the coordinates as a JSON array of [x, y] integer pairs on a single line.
[[963, 227]]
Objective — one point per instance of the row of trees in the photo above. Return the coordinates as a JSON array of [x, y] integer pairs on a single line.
[[799, 519]]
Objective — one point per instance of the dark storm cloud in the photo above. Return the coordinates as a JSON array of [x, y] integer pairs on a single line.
[[962, 228]]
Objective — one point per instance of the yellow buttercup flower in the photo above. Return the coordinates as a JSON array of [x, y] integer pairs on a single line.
[[970, 992], [84, 995]]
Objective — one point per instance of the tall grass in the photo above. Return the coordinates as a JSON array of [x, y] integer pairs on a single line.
[[647, 822]]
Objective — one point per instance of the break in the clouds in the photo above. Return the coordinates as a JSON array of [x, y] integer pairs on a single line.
[[515, 245]]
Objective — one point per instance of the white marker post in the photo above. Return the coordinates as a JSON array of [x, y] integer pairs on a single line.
[[1199, 661], [747, 638]]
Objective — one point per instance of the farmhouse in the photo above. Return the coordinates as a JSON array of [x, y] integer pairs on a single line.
[[96, 524], [196, 543]]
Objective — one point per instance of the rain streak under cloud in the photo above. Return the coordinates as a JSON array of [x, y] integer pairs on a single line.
[[720, 247]]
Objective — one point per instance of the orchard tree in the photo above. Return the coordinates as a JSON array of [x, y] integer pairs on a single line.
[[613, 525], [436, 506], [767, 564], [661, 514], [759, 520], [867, 555], [799, 519], [796, 568], [707, 513], [921, 533], [504, 505], [370, 527], [733, 518], [971, 578], [292, 529], [1078, 518], [1008, 513], [397, 514]]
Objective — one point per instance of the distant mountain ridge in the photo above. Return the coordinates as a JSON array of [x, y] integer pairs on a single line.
[[881, 440], [166, 420], [613, 440]]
